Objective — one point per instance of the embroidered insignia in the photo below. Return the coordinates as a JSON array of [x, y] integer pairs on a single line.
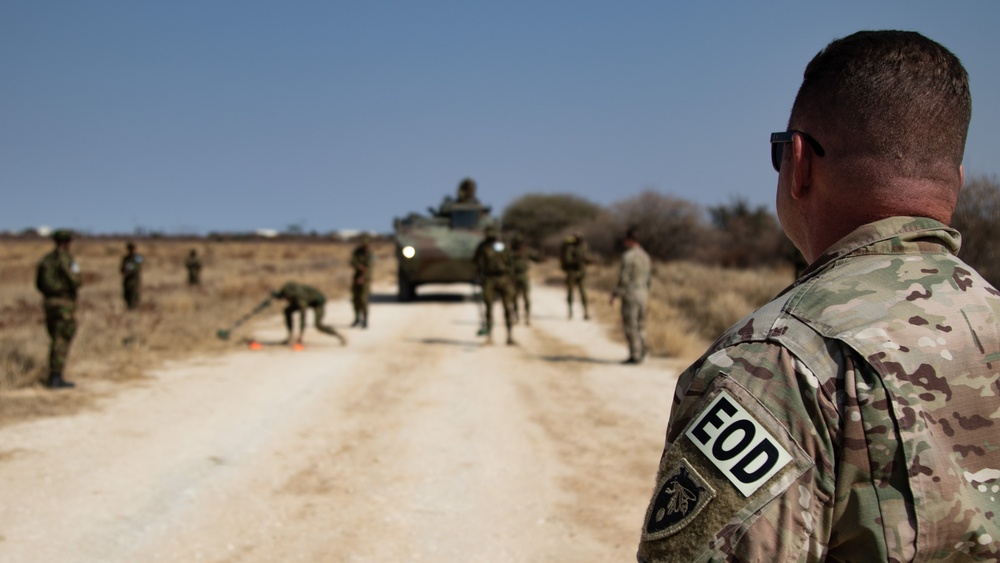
[[737, 444], [680, 497]]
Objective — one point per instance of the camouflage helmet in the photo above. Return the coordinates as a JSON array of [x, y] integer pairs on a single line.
[[62, 235], [490, 231]]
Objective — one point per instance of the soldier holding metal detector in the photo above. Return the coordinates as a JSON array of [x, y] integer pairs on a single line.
[[301, 297]]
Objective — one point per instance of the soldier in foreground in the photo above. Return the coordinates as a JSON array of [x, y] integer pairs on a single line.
[[853, 418], [193, 265], [633, 288], [493, 263], [58, 279], [301, 297], [520, 260], [573, 259], [131, 271], [362, 260]]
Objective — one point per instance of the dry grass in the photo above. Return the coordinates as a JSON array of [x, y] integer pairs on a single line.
[[173, 321], [690, 304]]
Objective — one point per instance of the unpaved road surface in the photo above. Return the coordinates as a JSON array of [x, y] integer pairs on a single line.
[[412, 443]]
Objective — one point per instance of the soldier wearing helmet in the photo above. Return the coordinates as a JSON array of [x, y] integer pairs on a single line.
[[131, 271], [58, 279], [521, 258], [362, 261], [573, 258], [492, 261]]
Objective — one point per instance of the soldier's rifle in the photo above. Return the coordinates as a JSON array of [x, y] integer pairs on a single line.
[[223, 333]]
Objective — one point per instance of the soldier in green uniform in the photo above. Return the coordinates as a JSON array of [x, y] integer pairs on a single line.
[[362, 261], [521, 258], [854, 417], [573, 259], [493, 264], [131, 271], [634, 280], [301, 297], [193, 265], [58, 279]]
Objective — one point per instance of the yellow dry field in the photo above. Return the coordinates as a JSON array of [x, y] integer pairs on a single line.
[[174, 320], [690, 305]]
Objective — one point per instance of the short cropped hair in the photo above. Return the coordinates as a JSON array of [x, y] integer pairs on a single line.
[[632, 233], [893, 96]]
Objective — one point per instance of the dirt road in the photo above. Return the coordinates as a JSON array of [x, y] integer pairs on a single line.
[[413, 443]]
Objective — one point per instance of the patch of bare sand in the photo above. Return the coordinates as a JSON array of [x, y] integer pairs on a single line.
[[413, 443]]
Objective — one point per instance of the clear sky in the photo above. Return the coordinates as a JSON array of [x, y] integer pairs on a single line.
[[192, 116]]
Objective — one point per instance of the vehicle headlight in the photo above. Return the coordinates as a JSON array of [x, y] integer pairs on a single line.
[[409, 252]]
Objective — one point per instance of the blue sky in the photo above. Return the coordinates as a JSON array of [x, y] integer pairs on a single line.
[[194, 116]]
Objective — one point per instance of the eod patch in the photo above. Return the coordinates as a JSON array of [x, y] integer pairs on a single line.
[[737, 444]]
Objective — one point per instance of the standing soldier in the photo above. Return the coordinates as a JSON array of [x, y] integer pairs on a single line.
[[521, 259], [573, 259], [193, 265], [493, 264], [58, 278], [301, 297], [467, 191], [362, 260], [131, 271], [633, 287], [854, 417]]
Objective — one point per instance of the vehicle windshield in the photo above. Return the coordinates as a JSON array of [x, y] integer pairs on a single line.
[[465, 219]]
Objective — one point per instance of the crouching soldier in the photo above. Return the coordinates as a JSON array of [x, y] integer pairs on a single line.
[[301, 297]]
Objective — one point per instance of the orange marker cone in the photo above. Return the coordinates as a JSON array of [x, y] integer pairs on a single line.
[[298, 347], [254, 345]]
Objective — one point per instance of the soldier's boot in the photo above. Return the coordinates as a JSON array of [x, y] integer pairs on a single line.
[[510, 340], [527, 316], [364, 320], [56, 381], [586, 315], [357, 321]]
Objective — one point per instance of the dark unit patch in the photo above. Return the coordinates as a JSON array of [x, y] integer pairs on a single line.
[[682, 495]]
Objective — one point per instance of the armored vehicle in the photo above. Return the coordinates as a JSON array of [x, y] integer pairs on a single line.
[[438, 247]]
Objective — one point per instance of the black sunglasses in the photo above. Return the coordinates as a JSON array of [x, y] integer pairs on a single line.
[[778, 141]]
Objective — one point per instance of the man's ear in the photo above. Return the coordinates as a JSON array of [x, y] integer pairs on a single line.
[[802, 156]]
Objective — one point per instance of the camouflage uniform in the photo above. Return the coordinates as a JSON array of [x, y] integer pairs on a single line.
[[193, 265], [633, 288], [58, 279], [493, 264], [573, 259], [854, 418], [362, 260], [131, 270], [301, 297], [520, 260]]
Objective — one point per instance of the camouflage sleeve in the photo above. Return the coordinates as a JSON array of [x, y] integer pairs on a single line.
[[747, 473], [624, 275], [70, 271]]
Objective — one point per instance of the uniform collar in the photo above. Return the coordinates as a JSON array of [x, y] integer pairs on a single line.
[[894, 235]]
